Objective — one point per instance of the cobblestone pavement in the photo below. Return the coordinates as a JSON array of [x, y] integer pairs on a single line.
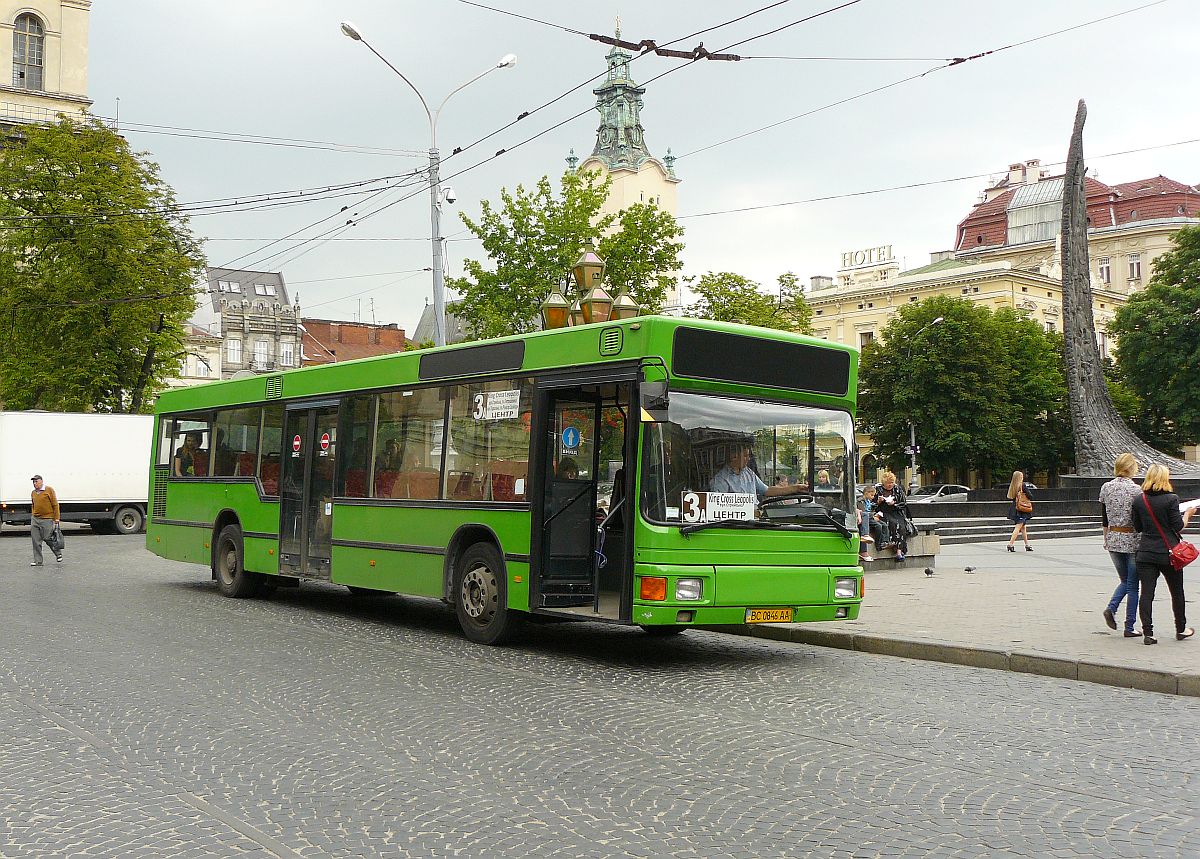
[[1049, 601], [141, 714]]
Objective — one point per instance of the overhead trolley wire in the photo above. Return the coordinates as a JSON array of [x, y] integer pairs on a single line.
[[912, 185], [956, 61]]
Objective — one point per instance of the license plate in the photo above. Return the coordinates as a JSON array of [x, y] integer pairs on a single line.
[[768, 615]]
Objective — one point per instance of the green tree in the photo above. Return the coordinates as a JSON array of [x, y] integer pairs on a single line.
[[1158, 339], [729, 297], [1147, 423], [534, 237], [96, 272], [985, 390]]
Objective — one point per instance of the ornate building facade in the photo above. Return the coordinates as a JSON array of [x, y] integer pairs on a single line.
[[46, 44], [259, 327]]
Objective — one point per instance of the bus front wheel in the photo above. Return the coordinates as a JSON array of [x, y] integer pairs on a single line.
[[480, 596], [233, 579], [664, 631]]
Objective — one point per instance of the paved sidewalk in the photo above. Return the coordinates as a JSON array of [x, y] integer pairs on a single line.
[[1034, 611]]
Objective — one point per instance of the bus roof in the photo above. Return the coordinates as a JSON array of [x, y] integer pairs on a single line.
[[699, 353]]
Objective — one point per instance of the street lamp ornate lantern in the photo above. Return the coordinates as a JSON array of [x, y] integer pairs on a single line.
[[588, 271], [596, 304], [624, 307], [555, 310], [576, 313]]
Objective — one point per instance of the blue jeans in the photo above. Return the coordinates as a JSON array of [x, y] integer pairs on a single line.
[[1127, 570]]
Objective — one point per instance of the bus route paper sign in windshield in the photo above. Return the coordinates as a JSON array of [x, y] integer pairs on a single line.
[[718, 506], [497, 405]]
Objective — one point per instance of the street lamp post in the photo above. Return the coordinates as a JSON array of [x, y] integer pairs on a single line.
[[435, 187], [912, 427]]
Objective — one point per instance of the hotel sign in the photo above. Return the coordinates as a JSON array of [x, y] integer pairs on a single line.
[[881, 255]]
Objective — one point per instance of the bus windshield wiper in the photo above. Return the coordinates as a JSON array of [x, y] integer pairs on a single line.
[[731, 523]]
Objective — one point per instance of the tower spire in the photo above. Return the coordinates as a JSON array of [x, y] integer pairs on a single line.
[[619, 138]]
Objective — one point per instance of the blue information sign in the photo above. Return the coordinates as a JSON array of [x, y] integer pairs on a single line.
[[570, 438]]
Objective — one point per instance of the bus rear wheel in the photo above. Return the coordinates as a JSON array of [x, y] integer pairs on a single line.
[[233, 579], [480, 596]]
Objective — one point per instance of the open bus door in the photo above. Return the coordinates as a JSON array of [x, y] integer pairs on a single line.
[[579, 539]]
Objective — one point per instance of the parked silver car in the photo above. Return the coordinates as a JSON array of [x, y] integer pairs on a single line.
[[938, 492]]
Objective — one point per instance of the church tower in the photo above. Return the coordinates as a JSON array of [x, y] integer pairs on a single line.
[[621, 151], [46, 42]]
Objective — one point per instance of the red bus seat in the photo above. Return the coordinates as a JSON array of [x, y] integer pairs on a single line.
[[423, 484], [384, 482], [270, 477], [200, 463], [245, 464], [356, 482]]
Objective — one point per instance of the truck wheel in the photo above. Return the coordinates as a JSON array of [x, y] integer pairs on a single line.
[[233, 580], [127, 520], [480, 596]]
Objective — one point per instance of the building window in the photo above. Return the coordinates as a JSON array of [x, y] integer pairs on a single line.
[[262, 349], [264, 289], [1134, 266], [29, 45], [1051, 327], [1105, 266], [912, 298], [287, 354], [1024, 289], [864, 338], [1102, 342], [974, 289], [228, 286], [1133, 215], [201, 367], [233, 352]]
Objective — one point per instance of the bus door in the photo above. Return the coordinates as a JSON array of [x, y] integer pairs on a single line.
[[580, 566], [306, 490]]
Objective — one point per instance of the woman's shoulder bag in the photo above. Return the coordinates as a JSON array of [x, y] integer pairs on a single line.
[[1022, 502], [1183, 552]]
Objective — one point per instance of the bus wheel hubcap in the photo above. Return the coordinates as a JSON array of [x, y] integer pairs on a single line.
[[479, 593], [228, 562]]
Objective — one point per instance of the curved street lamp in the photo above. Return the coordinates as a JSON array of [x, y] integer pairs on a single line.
[[435, 188]]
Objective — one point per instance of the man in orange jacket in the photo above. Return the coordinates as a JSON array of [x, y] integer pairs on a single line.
[[43, 520]]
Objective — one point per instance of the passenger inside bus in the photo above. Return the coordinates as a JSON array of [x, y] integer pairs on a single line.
[[568, 469]]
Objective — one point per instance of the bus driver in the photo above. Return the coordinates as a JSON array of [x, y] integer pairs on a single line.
[[738, 476]]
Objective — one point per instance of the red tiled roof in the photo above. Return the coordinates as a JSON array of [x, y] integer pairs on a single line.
[[1147, 187]]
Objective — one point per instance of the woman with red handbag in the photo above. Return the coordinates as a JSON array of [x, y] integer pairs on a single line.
[[1157, 518]]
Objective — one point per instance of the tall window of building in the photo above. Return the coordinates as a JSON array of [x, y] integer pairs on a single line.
[[1105, 266], [262, 351], [233, 352], [864, 338], [1102, 342], [201, 367], [1135, 266], [1051, 327], [287, 354], [29, 45]]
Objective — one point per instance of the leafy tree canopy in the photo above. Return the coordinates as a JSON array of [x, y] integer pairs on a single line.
[[729, 297], [1158, 339], [96, 272], [534, 238], [985, 390]]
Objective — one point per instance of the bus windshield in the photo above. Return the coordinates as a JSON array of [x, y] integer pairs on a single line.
[[720, 458]]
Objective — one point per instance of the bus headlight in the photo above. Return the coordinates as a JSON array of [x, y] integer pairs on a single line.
[[845, 589], [688, 589]]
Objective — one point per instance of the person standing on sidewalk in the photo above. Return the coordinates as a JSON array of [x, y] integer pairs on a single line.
[[1157, 518], [1020, 511], [44, 518], [1121, 540]]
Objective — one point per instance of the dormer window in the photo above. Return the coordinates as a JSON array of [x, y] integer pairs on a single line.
[[264, 289], [229, 286], [29, 48]]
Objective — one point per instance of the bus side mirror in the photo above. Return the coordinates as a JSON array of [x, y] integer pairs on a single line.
[[654, 401]]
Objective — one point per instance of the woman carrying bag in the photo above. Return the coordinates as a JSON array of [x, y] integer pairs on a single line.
[[1020, 511], [1157, 518]]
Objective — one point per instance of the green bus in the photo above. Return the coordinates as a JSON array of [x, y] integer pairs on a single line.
[[657, 472]]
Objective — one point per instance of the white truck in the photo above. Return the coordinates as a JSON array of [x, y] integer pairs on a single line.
[[98, 465]]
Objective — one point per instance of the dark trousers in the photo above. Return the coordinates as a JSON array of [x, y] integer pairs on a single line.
[[1148, 575]]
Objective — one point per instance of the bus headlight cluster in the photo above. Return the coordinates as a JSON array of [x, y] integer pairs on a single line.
[[689, 589], [845, 589]]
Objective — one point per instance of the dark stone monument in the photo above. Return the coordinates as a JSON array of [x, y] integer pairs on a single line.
[[1100, 433]]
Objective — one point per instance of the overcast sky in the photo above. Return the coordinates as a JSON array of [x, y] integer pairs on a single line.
[[281, 68]]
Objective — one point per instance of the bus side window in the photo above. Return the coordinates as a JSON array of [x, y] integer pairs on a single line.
[[272, 441]]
